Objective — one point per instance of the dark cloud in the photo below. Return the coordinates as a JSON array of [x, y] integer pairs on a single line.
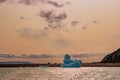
[[28, 56], [34, 2], [2, 1], [85, 55], [50, 2], [31, 2], [57, 26], [54, 20], [74, 23], [56, 4], [48, 15], [81, 55], [31, 33], [88, 24], [22, 17], [44, 1], [26, 2], [60, 17], [7, 56], [51, 17], [22, 56]]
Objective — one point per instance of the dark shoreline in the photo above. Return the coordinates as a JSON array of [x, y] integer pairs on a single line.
[[101, 65], [59, 64]]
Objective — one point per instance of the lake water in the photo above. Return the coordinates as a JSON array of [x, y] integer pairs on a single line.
[[83, 73]]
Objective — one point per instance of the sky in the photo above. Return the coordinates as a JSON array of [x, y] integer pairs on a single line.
[[45, 30]]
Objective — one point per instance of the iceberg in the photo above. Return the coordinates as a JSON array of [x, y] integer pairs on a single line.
[[68, 63], [44, 66]]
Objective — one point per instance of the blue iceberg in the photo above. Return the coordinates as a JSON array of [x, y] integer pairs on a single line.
[[68, 63]]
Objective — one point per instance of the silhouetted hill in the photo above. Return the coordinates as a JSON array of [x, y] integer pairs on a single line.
[[112, 58]]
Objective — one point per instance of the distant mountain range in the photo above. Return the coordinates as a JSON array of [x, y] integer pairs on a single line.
[[15, 62], [113, 57]]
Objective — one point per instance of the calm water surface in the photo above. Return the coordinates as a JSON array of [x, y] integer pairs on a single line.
[[84, 73]]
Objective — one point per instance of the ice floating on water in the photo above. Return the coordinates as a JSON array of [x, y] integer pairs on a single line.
[[68, 63], [43, 66]]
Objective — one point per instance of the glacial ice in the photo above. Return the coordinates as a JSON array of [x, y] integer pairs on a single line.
[[68, 63]]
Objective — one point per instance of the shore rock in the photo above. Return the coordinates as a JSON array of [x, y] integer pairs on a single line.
[[112, 58]]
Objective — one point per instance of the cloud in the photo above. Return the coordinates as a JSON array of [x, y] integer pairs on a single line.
[[95, 21], [26, 2], [7, 56], [34, 2], [36, 56], [2, 1], [48, 15], [47, 56], [26, 32], [74, 23], [56, 4], [46, 28], [55, 26], [60, 17], [28, 56], [51, 17], [22, 17], [61, 43], [54, 20], [85, 55], [50, 2], [31, 2], [86, 25], [81, 55], [30, 33]]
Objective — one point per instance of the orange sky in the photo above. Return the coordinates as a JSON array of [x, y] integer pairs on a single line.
[[79, 26]]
